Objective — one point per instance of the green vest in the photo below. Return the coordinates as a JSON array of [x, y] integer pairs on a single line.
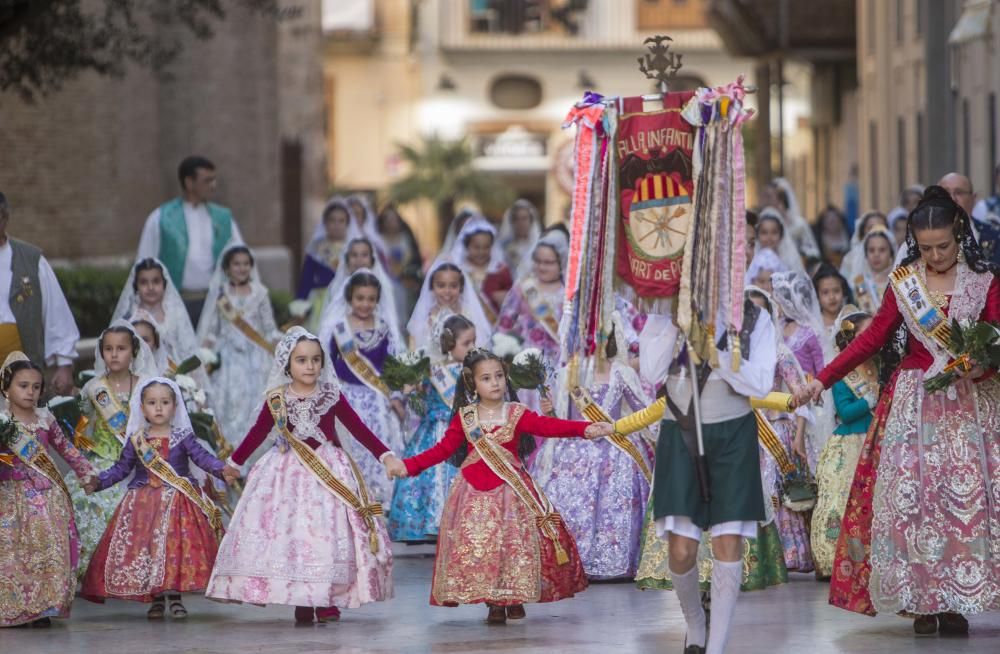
[[174, 236], [26, 299]]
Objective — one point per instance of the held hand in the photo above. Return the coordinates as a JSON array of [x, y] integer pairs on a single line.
[[90, 486], [598, 430], [545, 404], [394, 468], [62, 380], [810, 392], [231, 475], [408, 388]]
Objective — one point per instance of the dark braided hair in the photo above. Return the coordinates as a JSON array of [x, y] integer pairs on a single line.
[[120, 329], [147, 264], [938, 210], [453, 326], [463, 398], [362, 280]]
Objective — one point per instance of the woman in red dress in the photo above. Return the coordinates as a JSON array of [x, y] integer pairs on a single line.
[[920, 535]]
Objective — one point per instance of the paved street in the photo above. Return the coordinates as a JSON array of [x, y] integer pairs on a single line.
[[606, 619]]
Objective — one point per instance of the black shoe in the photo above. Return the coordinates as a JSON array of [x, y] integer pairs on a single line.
[[925, 625], [45, 623], [694, 649], [952, 624]]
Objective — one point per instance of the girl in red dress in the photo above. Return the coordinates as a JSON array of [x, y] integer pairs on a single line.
[[164, 535], [500, 541]]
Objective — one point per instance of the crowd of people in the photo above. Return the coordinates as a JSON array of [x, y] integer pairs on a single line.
[[883, 490]]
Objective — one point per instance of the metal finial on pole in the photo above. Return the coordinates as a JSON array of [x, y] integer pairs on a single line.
[[659, 63]]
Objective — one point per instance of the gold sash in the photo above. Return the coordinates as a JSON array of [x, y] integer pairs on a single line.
[[359, 364], [500, 462], [235, 317], [593, 412], [30, 450], [160, 467], [912, 292], [540, 310], [110, 409], [362, 505], [769, 439]]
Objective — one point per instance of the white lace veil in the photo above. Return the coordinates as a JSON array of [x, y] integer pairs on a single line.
[[795, 222], [478, 224], [506, 234], [850, 267], [283, 352], [339, 308], [335, 291], [763, 259], [143, 365], [160, 355], [319, 232], [370, 228], [787, 249], [136, 420], [865, 267], [434, 347], [554, 239], [419, 327], [177, 326], [217, 288], [466, 214], [796, 296]]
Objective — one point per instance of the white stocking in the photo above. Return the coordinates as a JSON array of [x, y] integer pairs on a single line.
[[726, 579], [689, 595]]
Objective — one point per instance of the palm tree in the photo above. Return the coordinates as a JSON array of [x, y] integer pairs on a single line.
[[441, 171]]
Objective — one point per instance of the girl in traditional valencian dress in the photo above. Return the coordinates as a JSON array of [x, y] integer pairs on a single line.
[[919, 535], [449, 291], [519, 231], [477, 252], [39, 546], [163, 537], [238, 324], [873, 278], [855, 397], [501, 540], [853, 262], [322, 254], [306, 532], [124, 361], [600, 488], [533, 308], [417, 502], [148, 288], [359, 339], [360, 254]]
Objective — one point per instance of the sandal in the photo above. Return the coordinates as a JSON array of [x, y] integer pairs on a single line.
[[155, 611], [177, 610]]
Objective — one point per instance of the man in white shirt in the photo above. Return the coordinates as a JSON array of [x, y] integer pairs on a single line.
[[34, 315], [189, 233]]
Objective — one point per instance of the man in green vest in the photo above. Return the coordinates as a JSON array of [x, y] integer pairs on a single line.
[[34, 315], [189, 232]]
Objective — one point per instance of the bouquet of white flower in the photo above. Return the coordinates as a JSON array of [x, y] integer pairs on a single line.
[[193, 395], [299, 308], [506, 347], [209, 359]]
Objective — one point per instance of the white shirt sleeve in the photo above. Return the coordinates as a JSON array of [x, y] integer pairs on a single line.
[[149, 241], [657, 342], [61, 333], [755, 377]]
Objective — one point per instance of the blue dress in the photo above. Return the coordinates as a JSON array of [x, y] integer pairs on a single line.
[[417, 501]]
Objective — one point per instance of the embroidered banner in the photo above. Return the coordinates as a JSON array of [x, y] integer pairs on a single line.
[[655, 185]]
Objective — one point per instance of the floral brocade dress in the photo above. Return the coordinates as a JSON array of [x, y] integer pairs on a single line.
[[39, 546], [492, 546], [921, 533], [598, 489], [93, 512], [417, 502]]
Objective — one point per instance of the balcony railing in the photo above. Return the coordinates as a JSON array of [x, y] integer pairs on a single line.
[[484, 25]]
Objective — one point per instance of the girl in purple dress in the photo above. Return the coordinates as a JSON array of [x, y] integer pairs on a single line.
[[359, 339], [599, 488]]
